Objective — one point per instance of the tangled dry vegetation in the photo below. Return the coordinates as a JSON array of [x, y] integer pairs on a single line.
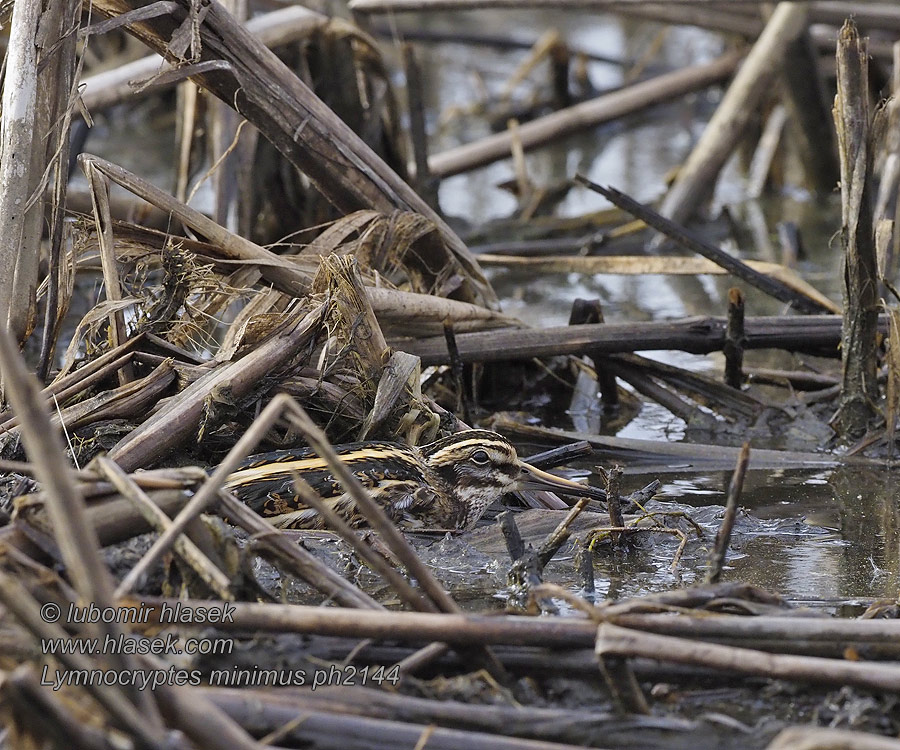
[[318, 301]]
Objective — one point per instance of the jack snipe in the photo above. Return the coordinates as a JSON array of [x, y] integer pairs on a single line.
[[447, 484]]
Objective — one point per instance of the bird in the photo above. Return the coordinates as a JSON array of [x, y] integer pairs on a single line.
[[447, 484]]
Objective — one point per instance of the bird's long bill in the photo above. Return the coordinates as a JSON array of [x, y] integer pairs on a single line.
[[535, 479]]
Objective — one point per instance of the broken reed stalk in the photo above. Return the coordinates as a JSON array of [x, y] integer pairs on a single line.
[[19, 601], [623, 685], [285, 276], [723, 535], [674, 231], [648, 387], [424, 182], [379, 522], [734, 340], [859, 387], [613, 502], [44, 715], [181, 415], [246, 75], [456, 367], [807, 110], [57, 90], [560, 535], [75, 537], [703, 389], [752, 82], [512, 537], [374, 515], [554, 632]]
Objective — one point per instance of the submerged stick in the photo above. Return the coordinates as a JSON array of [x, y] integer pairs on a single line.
[[590, 311]]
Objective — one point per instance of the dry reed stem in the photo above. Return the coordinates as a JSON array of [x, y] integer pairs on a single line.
[[373, 559], [25, 608], [99, 189], [261, 88], [182, 414], [19, 171], [616, 640], [859, 386], [370, 510], [294, 558], [208, 492], [75, 537], [185, 547], [751, 83]]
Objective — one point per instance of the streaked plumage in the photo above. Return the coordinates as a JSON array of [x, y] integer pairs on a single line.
[[446, 484]]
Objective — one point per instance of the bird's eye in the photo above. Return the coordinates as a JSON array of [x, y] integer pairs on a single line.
[[480, 457]]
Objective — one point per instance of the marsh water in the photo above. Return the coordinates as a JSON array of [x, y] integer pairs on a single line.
[[825, 537]]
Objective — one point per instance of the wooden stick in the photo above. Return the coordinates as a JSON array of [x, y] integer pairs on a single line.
[[590, 311], [19, 601], [99, 187], [605, 108], [207, 492], [548, 631], [46, 716], [699, 335], [612, 639], [373, 559], [294, 557], [168, 426], [19, 172], [310, 135], [425, 183], [373, 514]]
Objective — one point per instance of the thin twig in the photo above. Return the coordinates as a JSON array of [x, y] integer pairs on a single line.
[[720, 548]]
